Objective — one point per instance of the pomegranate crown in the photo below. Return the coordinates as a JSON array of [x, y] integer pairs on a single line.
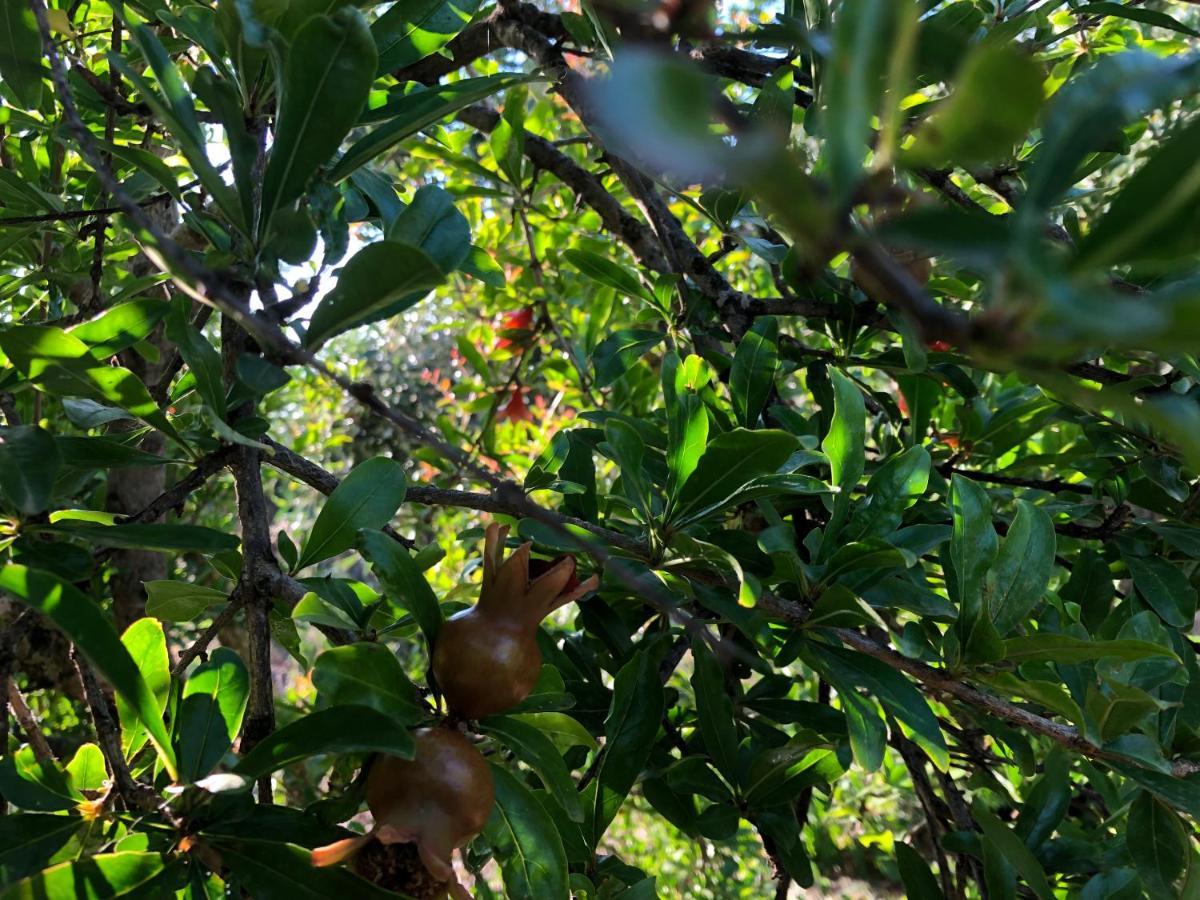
[[510, 589]]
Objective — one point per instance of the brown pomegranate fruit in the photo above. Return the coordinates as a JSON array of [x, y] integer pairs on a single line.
[[438, 800], [486, 658]]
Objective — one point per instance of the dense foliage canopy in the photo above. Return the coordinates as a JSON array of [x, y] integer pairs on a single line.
[[848, 346]]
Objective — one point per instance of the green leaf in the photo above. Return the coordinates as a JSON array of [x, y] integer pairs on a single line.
[[432, 223], [752, 375], [1018, 578], [1158, 842], [997, 96], [507, 140], [402, 580], [273, 870], [973, 546], [1014, 851], [174, 109], [1135, 14], [538, 752], [366, 675], [338, 729], [29, 464], [413, 29], [21, 54], [202, 358], [845, 447], [120, 327], [87, 768], [62, 365], [147, 646], [730, 462], [1164, 588], [1061, 648], [897, 694], [163, 538], [714, 710], [178, 601], [210, 712], [29, 840], [853, 85], [895, 486], [1154, 215], [618, 352], [366, 498], [95, 877], [1089, 112], [373, 280], [608, 273], [408, 113], [629, 731], [324, 85], [918, 878], [526, 842], [1046, 802], [81, 620]]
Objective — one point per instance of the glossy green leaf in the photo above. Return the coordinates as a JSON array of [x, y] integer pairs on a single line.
[[29, 840], [538, 752], [366, 498], [618, 352], [608, 273], [324, 84], [81, 620], [96, 877], [210, 712], [526, 842], [29, 463], [21, 54], [201, 357], [413, 29], [87, 768], [373, 280], [629, 730], [1158, 841], [366, 675], [918, 878], [897, 694], [338, 729], [120, 327], [1165, 588], [163, 538], [178, 601], [714, 709], [408, 113], [1015, 852], [844, 447], [402, 580], [730, 462], [1062, 648], [62, 365], [894, 487], [752, 375], [973, 547], [1016, 581], [147, 646]]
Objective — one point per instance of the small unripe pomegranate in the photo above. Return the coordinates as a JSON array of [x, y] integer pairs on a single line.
[[486, 658], [438, 800]]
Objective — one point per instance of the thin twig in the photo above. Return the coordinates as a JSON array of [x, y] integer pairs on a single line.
[[29, 724]]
